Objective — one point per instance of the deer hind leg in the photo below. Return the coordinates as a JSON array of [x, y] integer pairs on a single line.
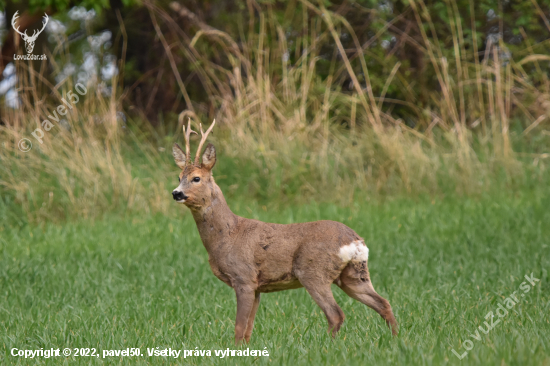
[[355, 282], [250, 325], [322, 294]]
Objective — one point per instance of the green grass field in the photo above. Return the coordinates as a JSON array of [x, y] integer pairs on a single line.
[[443, 132], [144, 282]]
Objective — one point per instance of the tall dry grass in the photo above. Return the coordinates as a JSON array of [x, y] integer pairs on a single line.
[[285, 133], [268, 103]]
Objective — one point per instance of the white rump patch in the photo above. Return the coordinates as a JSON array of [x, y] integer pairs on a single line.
[[356, 251]]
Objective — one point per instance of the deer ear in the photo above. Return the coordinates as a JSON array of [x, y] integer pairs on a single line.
[[209, 157], [179, 156]]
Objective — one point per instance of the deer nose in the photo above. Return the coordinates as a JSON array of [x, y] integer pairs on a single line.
[[178, 195]]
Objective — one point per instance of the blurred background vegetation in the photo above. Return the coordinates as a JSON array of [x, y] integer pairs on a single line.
[[332, 101]]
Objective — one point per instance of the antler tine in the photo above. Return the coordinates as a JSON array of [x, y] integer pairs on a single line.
[[13, 19], [187, 135], [44, 24], [35, 33], [203, 140]]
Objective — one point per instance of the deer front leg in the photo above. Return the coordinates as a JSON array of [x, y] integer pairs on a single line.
[[245, 304], [250, 325]]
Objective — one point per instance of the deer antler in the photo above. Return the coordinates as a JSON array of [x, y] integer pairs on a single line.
[[187, 135], [34, 33], [203, 140], [13, 19]]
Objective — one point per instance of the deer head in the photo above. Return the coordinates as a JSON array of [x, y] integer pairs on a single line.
[[29, 40], [196, 181]]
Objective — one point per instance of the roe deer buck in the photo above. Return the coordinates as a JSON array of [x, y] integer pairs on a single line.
[[254, 257]]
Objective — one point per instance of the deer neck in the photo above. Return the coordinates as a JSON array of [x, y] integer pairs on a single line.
[[215, 221]]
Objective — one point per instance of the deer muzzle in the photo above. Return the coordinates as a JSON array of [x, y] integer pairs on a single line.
[[29, 45], [179, 196]]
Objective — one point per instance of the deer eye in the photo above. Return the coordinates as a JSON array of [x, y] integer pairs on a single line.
[[196, 179]]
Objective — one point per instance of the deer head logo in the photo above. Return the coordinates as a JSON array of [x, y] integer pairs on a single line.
[[29, 40]]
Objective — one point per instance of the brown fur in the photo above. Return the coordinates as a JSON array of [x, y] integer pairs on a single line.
[[254, 257]]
